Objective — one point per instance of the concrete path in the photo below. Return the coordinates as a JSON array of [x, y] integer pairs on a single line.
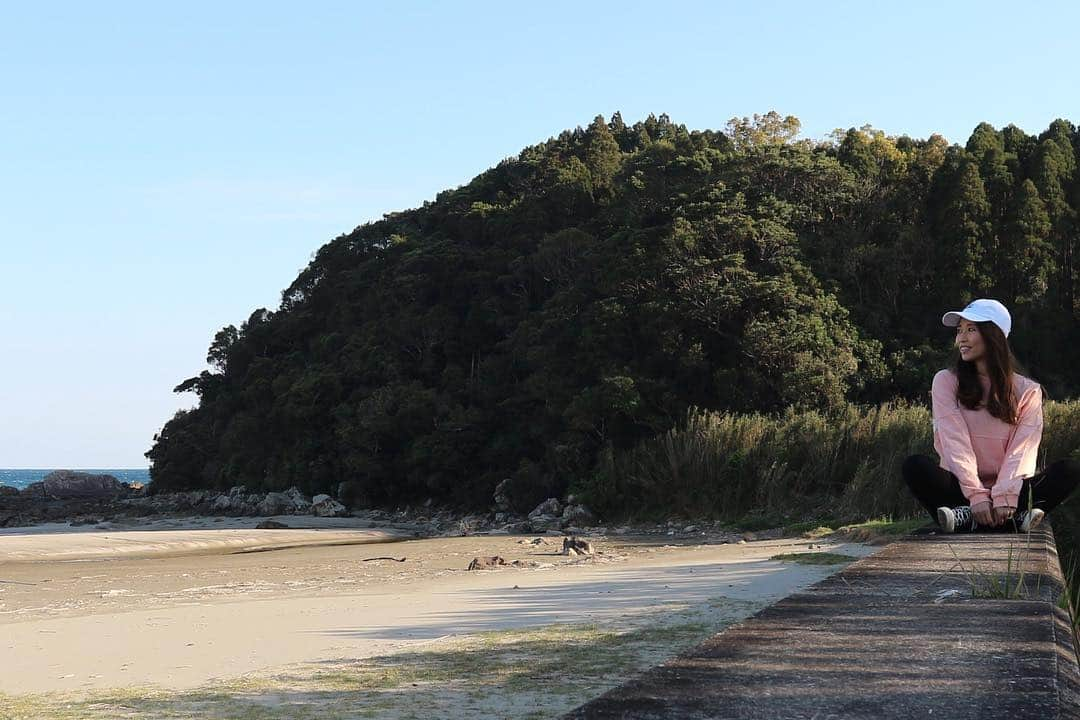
[[933, 626]]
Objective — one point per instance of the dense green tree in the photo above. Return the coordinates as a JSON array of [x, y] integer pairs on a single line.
[[1025, 259], [964, 232], [602, 156], [577, 299], [1054, 166], [767, 129]]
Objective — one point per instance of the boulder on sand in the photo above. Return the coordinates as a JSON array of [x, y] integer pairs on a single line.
[[573, 546], [65, 484], [486, 563], [326, 506], [274, 503]]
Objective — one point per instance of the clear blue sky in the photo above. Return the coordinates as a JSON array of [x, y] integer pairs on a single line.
[[168, 168]]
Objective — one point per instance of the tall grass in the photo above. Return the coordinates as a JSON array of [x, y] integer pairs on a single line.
[[1061, 439], [845, 464], [1061, 431]]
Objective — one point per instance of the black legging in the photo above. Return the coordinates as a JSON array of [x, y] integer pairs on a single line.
[[935, 487]]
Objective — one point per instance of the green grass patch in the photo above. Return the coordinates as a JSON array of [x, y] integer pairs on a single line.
[[812, 529], [888, 526], [879, 530]]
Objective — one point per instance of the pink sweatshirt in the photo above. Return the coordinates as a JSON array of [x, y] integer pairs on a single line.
[[990, 457]]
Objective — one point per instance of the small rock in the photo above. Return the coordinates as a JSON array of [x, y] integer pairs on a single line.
[[741, 542], [574, 546], [271, 525], [486, 563]]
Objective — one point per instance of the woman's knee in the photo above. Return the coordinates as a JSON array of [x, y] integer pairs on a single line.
[[917, 467], [1066, 469]]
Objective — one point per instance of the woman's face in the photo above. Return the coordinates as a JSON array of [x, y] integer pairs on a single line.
[[970, 341]]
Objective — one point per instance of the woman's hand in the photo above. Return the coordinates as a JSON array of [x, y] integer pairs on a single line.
[[1003, 514], [984, 514]]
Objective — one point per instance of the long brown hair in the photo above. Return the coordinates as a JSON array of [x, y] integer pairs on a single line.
[[1000, 366]]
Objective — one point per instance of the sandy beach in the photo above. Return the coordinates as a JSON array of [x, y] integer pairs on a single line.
[[168, 610]]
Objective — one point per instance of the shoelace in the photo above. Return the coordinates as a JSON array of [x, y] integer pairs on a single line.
[[963, 517]]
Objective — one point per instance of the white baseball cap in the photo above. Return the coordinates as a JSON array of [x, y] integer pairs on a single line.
[[981, 310]]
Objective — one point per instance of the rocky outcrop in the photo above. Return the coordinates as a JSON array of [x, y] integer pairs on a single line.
[[34, 490], [8, 490], [290, 502], [551, 507], [326, 506], [274, 503], [68, 484], [552, 516], [502, 496], [546, 515], [578, 516]]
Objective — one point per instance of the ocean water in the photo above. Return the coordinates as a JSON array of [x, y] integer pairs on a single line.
[[22, 478]]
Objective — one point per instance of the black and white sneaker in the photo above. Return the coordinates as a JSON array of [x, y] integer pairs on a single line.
[[1029, 519], [958, 519]]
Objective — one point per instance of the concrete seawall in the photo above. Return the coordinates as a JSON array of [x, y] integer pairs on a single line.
[[949, 626]]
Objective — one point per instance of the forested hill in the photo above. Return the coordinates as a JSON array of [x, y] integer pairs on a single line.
[[580, 297]]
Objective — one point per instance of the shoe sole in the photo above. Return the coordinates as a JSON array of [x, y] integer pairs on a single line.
[[946, 520], [1032, 520]]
